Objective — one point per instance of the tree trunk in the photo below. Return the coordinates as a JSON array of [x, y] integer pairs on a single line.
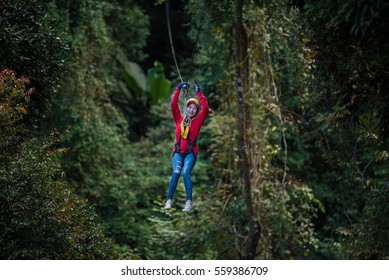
[[242, 84]]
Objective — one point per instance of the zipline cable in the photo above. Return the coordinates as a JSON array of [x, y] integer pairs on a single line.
[[167, 5], [186, 119], [171, 39]]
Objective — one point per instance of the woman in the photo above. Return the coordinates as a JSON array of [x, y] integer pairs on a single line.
[[185, 149]]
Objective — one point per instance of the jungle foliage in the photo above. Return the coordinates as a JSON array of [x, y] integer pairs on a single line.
[[40, 216], [86, 129]]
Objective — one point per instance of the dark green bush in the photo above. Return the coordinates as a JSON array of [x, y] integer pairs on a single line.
[[40, 217]]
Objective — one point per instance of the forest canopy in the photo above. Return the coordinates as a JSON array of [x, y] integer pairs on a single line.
[[293, 158]]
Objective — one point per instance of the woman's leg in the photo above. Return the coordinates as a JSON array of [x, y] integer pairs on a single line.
[[189, 163], [177, 166]]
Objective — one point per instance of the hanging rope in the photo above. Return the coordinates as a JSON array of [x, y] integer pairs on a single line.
[[171, 39], [167, 6], [186, 118]]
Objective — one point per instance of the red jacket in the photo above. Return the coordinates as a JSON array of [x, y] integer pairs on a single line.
[[196, 124]]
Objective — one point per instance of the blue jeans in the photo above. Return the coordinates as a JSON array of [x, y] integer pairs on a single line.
[[186, 166]]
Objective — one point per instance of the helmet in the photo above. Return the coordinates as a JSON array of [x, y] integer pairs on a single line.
[[193, 101]]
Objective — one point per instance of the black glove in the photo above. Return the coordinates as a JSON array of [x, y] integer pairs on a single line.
[[182, 85], [198, 88]]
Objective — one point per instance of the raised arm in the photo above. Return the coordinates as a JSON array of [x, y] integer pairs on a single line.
[[174, 105], [204, 104]]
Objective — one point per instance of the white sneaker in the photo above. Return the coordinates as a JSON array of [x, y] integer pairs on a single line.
[[188, 206], [168, 205]]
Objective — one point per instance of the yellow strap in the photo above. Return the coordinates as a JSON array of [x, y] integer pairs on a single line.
[[184, 130]]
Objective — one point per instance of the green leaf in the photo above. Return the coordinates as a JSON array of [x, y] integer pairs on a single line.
[[134, 77], [158, 87]]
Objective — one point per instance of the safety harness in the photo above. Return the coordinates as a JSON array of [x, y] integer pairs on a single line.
[[184, 135]]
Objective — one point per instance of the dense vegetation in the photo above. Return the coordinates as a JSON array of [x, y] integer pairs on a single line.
[[295, 168]]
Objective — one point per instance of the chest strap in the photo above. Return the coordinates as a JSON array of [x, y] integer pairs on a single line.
[[184, 130]]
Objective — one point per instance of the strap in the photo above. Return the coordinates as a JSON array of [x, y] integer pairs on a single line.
[[184, 130], [178, 146]]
